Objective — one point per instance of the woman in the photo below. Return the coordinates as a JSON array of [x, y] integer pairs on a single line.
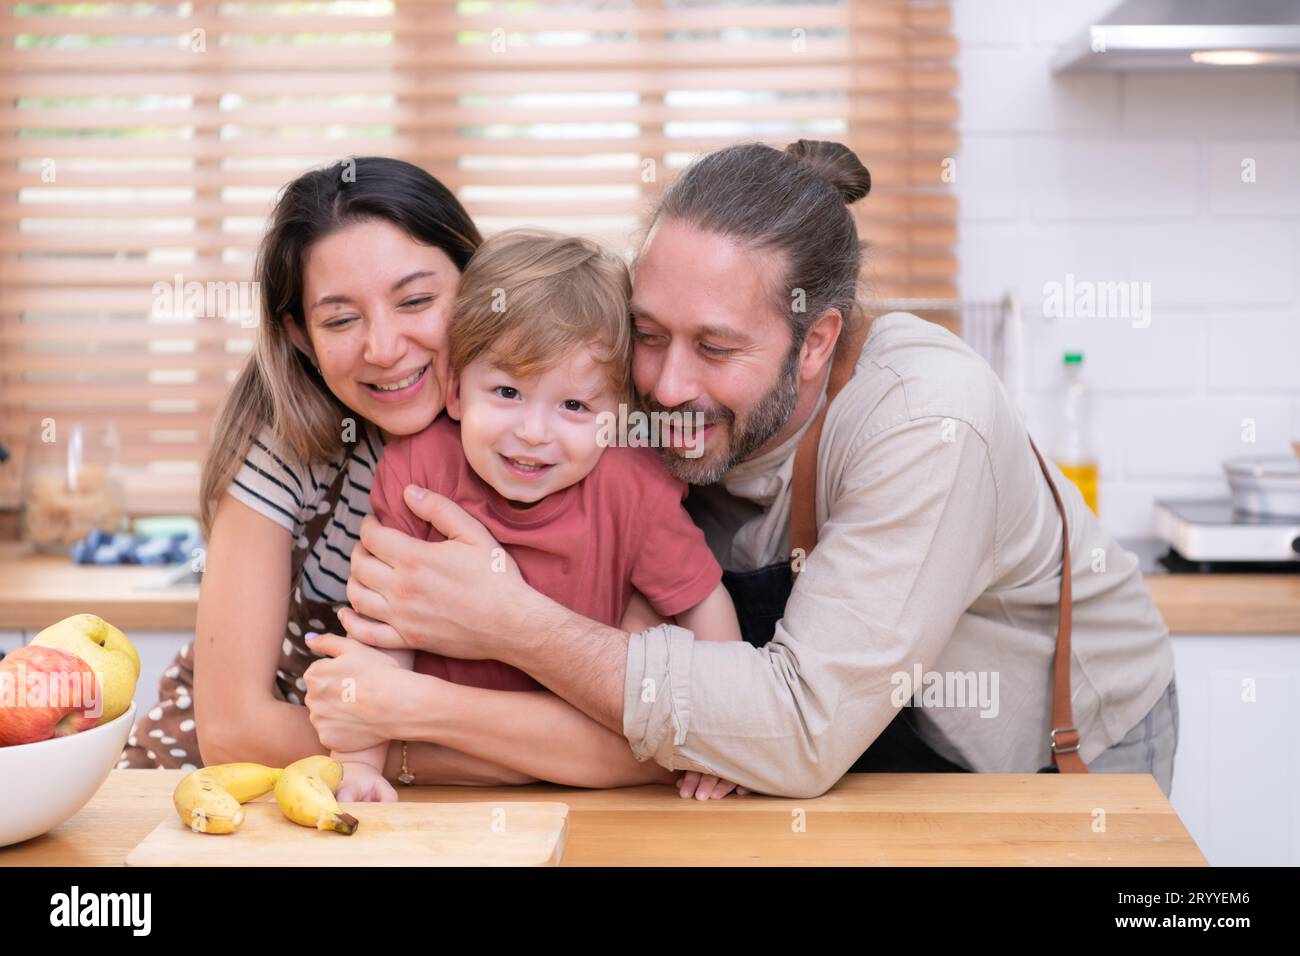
[[357, 274]]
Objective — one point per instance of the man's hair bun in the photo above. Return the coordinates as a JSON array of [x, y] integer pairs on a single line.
[[835, 163]]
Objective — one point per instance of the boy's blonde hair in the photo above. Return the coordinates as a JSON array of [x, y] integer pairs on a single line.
[[530, 297]]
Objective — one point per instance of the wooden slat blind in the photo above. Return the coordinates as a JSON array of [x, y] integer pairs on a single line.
[[144, 141]]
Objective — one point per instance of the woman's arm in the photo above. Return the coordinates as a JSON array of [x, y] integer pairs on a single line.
[[533, 733], [436, 765], [545, 735], [243, 612], [539, 734]]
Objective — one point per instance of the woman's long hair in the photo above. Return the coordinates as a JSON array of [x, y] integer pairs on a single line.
[[279, 386]]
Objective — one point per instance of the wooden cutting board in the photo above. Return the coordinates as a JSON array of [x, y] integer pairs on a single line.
[[390, 834]]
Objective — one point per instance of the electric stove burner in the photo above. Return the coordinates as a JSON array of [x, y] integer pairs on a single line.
[[1208, 535]]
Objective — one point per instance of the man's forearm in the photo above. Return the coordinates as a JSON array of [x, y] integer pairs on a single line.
[[580, 660]]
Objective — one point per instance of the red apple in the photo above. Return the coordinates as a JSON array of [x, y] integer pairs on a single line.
[[46, 692]]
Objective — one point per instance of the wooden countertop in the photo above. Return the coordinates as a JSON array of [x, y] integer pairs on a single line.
[[866, 819], [36, 591], [1228, 603]]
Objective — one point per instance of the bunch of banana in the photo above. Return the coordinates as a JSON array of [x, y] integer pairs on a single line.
[[305, 792], [208, 799]]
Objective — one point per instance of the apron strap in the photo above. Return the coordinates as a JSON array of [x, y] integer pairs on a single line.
[[803, 481], [1064, 737], [315, 526]]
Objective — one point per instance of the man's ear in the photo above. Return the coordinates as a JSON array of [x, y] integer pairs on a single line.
[[299, 338], [453, 397], [819, 344]]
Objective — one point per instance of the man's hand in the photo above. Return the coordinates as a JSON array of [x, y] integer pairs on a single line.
[[463, 597]]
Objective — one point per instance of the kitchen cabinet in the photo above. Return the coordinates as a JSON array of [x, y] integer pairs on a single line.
[[1237, 768]]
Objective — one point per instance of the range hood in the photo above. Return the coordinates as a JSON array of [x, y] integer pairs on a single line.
[[1188, 35]]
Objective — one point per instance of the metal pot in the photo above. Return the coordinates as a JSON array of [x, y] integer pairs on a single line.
[[1265, 484]]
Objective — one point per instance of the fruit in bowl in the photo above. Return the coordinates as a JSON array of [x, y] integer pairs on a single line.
[[46, 692], [108, 652], [45, 783], [65, 713]]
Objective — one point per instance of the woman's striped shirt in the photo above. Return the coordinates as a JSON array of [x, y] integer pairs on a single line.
[[273, 483]]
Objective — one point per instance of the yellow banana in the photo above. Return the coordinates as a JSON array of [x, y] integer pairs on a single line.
[[208, 799], [305, 792]]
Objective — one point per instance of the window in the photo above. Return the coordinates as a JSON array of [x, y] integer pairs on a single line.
[[141, 145]]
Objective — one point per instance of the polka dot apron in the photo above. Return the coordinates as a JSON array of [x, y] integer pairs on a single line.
[[166, 736]]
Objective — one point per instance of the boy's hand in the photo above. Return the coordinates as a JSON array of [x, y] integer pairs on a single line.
[[705, 786], [362, 783]]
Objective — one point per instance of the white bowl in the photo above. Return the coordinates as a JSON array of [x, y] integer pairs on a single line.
[[45, 783]]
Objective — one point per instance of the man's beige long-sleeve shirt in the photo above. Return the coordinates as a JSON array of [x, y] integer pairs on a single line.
[[939, 547]]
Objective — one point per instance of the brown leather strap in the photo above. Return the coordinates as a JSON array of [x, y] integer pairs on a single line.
[[315, 526], [803, 481], [1064, 736]]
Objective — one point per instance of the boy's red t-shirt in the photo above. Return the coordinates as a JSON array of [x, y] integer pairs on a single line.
[[586, 547]]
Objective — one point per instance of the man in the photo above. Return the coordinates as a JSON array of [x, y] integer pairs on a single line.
[[937, 568]]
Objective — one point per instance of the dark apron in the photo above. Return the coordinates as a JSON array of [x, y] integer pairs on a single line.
[[760, 598]]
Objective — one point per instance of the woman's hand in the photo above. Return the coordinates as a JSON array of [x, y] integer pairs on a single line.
[[463, 597], [349, 693]]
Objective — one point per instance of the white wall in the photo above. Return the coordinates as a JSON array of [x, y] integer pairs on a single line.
[[1137, 177]]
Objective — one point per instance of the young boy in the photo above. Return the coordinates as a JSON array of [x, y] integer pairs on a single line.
[[540, 347]]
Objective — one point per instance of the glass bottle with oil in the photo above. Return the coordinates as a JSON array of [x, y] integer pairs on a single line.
[[1073, 452]]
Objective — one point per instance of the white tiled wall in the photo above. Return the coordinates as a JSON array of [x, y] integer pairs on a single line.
[[1137, 177]]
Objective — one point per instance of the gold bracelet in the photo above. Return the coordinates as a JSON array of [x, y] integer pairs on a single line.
[[405, 777]]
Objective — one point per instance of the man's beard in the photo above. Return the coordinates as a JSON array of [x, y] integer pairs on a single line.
[[764, 420]]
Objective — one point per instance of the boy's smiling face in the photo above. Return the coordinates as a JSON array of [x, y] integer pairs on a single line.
[[531, 437]]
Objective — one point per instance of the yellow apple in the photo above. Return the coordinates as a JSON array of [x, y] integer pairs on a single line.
[[108, 652]]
